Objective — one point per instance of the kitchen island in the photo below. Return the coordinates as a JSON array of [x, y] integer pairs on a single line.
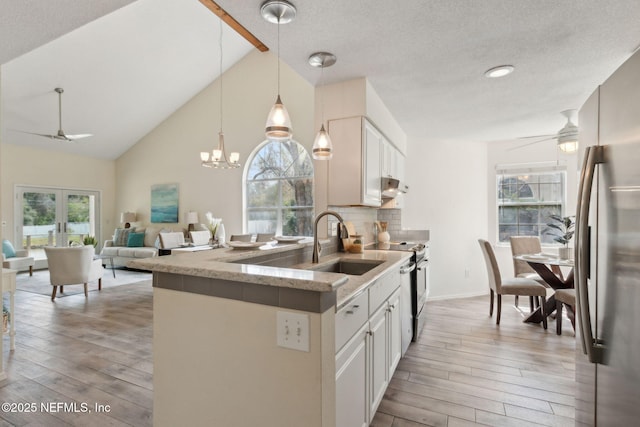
[[242, 340]]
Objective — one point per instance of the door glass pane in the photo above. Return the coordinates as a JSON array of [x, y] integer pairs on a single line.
[[80, 217], [38, 219]]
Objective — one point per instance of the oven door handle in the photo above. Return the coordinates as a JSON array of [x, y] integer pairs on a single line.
[[408, 268]]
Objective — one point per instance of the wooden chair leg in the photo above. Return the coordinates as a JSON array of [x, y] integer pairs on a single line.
[[491, 302], [85, 290], [571, 314], [558, 318], [543, 301], [499, 309], [100, 284], [516, 300], [53, 294], [31, 270], [531, 303], [61, 289]]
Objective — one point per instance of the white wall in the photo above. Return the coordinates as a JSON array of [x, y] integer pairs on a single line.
[[503, 153], [30, 166], [171, 152], [448, 196]]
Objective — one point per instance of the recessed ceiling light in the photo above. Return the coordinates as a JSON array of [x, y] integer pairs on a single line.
[[499, 71]]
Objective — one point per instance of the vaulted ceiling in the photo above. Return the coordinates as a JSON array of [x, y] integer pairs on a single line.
[[127, 71]]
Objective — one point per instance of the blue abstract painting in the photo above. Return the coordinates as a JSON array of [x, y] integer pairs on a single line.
[[164, 203]]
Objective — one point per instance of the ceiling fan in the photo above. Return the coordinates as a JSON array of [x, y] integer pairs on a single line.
[[61, 135], [567, 137]]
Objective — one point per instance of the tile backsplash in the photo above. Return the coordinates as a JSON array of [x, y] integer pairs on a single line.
[[364, 219]]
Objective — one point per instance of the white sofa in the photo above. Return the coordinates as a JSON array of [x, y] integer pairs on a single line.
[[122, 253]]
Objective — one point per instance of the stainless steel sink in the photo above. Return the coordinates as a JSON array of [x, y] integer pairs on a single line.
[[356, 267]]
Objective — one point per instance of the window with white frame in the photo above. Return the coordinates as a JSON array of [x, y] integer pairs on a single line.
[[527, 195], [279, 190]]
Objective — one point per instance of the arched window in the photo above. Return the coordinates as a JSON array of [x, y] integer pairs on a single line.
[[279, 190]]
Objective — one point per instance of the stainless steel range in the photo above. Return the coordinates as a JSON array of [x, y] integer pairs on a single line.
[[419, 279]]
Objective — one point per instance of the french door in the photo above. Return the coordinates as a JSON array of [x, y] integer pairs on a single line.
[[55, 216]]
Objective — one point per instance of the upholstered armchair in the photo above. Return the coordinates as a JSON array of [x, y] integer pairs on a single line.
[[71, 266]]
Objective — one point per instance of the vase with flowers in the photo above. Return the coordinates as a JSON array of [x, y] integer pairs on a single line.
[[212, 225]]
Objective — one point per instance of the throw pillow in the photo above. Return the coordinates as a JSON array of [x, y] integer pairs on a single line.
[[7, 249], [136, 240], [121, 236], [150, 236]]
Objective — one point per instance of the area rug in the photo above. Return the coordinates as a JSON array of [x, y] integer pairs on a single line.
[[39, 283]]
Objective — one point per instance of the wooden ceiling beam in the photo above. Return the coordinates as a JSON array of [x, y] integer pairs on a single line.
[[230, 21]]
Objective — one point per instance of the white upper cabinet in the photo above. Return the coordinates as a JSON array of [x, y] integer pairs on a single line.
[[354, 171]]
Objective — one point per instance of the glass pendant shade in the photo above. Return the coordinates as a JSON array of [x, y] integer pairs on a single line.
[[322, 147], [568, 146], [278, 125]]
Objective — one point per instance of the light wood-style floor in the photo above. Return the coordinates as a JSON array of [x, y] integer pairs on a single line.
[[464, 369]]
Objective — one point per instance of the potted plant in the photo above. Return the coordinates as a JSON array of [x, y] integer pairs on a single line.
[[90, 240], [562, 228]]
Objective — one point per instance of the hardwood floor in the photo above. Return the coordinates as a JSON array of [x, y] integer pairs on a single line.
[[464, 370]]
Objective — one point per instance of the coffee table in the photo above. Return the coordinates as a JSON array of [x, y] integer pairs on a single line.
[[110, 258]]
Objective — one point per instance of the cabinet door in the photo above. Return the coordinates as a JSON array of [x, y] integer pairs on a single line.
[[378, 357], [394, 325], [351, 382], [371, 162]]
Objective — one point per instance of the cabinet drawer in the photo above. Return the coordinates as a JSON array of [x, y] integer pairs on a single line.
[[350, 318], [381, 289]]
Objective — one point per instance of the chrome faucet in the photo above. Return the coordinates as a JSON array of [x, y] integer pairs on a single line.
[[342, 233]]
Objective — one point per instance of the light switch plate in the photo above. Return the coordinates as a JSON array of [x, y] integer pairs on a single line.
[[292, 330]]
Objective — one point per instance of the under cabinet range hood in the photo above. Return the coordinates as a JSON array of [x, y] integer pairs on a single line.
[[391, 187]]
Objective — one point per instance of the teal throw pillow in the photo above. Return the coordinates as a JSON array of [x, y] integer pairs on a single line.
[[136, 240], [121, 236], [7, 249]]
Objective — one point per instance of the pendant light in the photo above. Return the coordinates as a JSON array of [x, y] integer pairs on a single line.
[[278, 125], [322, 147], [218, 158]]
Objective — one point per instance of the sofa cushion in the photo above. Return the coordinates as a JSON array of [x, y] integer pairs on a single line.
[[150, 236], [137, 252], [110, 250], [7, 249], [135, 240], [121, 236]]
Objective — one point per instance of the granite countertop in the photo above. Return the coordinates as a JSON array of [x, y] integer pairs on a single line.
[[226, 264]]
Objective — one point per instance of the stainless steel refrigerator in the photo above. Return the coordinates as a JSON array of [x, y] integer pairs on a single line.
[[607, 281]]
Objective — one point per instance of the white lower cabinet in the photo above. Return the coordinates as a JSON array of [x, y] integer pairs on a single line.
[[351, 381], [394, 324], [378, 365], [367, 361]]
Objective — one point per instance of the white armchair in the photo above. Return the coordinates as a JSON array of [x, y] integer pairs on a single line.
[[71, 266]]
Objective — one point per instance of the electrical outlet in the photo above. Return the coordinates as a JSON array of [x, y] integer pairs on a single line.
[[334, 229], [292, 330]]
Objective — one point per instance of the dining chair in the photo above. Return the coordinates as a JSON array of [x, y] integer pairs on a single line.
[[512, 286], [525, 245], [240, 238], [567, 298], [265, 237]]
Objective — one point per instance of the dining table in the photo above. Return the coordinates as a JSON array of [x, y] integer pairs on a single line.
[[548, 267]]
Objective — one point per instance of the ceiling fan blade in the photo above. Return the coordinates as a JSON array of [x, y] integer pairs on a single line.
[[530, 143], [78, 136], [537, 136], [38, 134]]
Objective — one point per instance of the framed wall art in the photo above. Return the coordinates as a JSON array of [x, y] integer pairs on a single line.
[[164, 203]]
